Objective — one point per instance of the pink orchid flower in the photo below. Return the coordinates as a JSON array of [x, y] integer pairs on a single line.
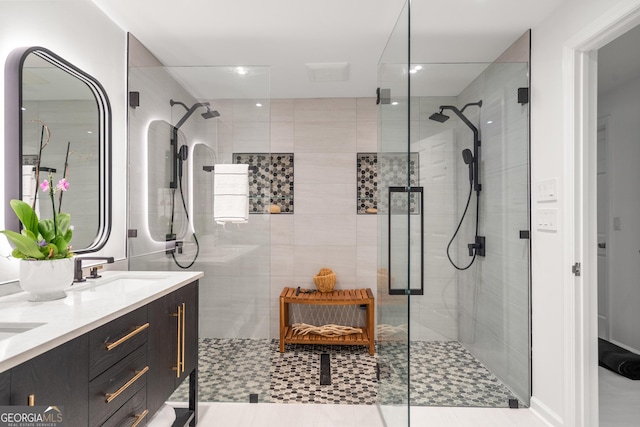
[[62, 185], [44, 186]]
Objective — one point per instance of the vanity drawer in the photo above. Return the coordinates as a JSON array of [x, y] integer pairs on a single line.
[[113, 341], [111, 389], [132, 412]]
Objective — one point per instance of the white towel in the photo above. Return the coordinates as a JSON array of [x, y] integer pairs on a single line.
[[231, 193], [165, 416]]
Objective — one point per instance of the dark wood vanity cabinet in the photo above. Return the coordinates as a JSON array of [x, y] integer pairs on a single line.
[[58, 377], [173, 347], [120, 373], [118, 370], [5, 390]]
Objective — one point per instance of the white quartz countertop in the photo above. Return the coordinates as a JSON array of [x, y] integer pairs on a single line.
[[87, 306]]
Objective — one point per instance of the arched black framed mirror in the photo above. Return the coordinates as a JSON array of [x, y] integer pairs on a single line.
[[58, 122]]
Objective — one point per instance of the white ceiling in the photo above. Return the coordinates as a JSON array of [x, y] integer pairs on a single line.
[[287, 34]]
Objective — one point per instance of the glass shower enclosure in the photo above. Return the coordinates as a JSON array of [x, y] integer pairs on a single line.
[[184, 124], [453, 319]]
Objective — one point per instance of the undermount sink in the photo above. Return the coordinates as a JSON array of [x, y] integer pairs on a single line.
[[11, 329], [126, 280]]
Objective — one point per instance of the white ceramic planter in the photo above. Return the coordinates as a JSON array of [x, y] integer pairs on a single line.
[[46, 280]]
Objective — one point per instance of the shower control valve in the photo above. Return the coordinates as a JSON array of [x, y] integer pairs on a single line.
[[477, 248]]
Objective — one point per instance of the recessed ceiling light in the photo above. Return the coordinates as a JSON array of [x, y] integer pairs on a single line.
[[89, 131], [489, 122], [241, 70], [413, 71], [258, 105], [418, 67], [394, 103]]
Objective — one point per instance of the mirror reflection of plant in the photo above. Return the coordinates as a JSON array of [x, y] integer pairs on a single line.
[[42, 239]]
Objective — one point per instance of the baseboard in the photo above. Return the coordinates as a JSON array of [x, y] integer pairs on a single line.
[[545, 414]]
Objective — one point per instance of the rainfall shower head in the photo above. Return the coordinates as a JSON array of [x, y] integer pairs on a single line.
[[210, 114], [207, 114], [439, 117]]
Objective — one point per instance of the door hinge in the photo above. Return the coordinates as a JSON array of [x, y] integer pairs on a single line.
[[383, 96], [575, 269]]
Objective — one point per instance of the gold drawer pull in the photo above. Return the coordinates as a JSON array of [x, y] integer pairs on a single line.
[[112, 345], [184, 322], [179, 315], [31, 400], [111, 396], [139, 417]]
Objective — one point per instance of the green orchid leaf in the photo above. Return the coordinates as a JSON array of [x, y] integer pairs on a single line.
[[25, 214], [29, 234], [62, 246], [47, 229], [63, 221], [17, 254], [52, 251], [68, 235], [24, 244]]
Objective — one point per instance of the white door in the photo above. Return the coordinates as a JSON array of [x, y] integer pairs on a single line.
[[603, 222]]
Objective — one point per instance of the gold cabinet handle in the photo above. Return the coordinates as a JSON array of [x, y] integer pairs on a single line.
[[179, 341], [139, 417], [111, 396], [112, 345], [184, 322], [31, 400]]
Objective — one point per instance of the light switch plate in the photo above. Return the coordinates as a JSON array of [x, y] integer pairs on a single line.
[[547, 219], [547, 190]]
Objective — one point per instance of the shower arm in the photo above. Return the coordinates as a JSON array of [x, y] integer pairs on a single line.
[[174, 137], [189, 112]]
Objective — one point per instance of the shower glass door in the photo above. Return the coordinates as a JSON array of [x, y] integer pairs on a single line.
[[176, 145], [453, 290], [398, 211], [470, 333]]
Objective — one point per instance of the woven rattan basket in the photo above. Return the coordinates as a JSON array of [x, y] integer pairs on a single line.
[[325, 280]]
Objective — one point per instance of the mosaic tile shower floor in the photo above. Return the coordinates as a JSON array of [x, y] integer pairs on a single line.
[[442, 374]]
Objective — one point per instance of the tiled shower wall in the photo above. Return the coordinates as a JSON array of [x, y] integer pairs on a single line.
[[325, 136]]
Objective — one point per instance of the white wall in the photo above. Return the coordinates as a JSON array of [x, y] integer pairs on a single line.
[[95, 45], [623, 107], [549, 289]]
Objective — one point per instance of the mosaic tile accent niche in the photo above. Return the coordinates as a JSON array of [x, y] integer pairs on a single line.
[[382, 171], [270, 182]]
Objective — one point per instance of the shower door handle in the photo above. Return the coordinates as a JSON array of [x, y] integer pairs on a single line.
[[415, 210]]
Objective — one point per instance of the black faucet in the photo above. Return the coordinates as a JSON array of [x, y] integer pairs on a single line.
[[77, 270]]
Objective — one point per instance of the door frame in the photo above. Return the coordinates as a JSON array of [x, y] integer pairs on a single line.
[[580, 86]]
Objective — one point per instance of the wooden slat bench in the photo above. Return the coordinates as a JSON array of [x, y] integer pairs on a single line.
[[338, 297]]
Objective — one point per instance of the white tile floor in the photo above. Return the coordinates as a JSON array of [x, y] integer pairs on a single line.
[[327, 415], [619, 400]]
